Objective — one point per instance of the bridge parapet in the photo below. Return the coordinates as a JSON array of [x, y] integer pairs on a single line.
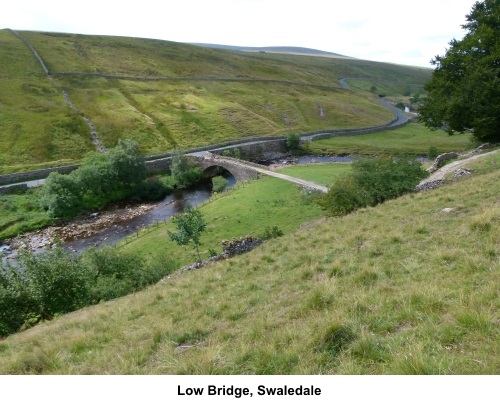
[[242, 171]]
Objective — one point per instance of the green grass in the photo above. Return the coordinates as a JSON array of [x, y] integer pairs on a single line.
[[36, 126], [413, 139], [401, 288], [324, 173], [20, 212], [247, 210], [40, 130]]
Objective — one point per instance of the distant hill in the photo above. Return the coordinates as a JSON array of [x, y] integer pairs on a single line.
[[293, 50], [166, 94]]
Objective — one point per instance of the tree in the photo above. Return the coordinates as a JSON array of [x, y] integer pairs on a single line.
[[184, 172], [464, 91], [101, 179], [292, 141], [190, 226]]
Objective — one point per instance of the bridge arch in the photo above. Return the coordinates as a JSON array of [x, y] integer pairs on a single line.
[[211, 163]]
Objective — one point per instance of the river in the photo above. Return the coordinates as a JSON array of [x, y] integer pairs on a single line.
[[171, 205]]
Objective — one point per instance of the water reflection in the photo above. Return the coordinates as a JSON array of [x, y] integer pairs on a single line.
[[173, 204]]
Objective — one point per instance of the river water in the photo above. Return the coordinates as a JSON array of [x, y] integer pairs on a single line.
[[171, 205]]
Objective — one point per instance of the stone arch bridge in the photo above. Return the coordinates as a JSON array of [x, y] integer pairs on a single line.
[[242, 170]]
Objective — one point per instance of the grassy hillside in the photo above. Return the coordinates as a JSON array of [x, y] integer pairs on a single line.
[[156, 92], [35, 123], [412, 139], [402, 288]]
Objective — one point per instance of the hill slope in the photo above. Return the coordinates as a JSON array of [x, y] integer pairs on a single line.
[[402, 288], [293, 50], [165, 95]]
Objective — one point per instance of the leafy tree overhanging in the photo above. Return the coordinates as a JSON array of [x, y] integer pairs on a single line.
[[464, 91]]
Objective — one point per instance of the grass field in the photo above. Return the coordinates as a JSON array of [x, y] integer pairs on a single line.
[[20, 212], [413, 139], [40, 130], [324, 173], [247, 210], [401, 288]]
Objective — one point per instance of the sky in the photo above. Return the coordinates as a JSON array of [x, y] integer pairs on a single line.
[[396, 31]]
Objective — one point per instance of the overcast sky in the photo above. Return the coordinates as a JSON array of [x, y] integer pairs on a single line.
[[398, 31]]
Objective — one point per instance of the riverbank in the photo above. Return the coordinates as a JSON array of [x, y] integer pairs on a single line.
[[83, 226]]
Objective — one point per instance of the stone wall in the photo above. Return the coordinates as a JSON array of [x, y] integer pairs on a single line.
[[34, 174]]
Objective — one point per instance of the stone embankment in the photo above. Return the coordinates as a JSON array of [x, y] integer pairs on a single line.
[[439, 172], [230, 248]]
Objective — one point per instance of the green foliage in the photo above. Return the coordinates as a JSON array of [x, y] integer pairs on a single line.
[[16, 303], [344, 196], [271, 233], [190, 226], [101, 179], [432, 153], [183, 170], [118, 274], [56, 282], [153, 188], [464, 91], [219, 183], [372, 182], [61, 196], [293, 142], [387, 178]]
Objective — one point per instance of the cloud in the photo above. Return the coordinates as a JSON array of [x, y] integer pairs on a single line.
[[363, 28]]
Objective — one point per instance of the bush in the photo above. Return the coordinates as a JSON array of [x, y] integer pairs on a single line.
[[271, 233], [219, 183], [118, 274], [56, 282], [184, 172], [101, 179], [432, 153], [16, 304], [372, 182], [154, 188], [61, 196], [344, 197], [387, 178], [293, 142]]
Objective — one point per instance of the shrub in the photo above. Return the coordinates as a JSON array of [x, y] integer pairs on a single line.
[[154, 188], [387, 178], [219, 183], [16, 304], [61, 196], [271, 232], [293, 142], [118, 274], [184, 172], [432, 153], [372, 182], [101, 179], [57, 281], [344, 197]]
